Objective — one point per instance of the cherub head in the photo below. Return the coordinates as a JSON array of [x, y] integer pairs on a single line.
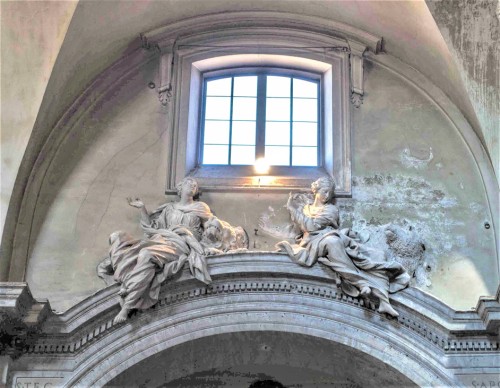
[[221, 235]]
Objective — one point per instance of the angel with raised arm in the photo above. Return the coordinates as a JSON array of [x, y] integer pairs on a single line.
[[172, 238], [362, 270]]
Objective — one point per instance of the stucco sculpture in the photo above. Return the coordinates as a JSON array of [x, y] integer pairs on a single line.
[[175, 233], [361, 270], [219, 236], [406, 247]]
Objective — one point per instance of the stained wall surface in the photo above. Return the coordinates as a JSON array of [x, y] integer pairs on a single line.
[[101, 32], [32, 34], [410, 166], [472, 31]]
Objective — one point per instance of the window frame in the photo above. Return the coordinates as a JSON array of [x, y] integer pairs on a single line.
[[260, 119], [182, 128]]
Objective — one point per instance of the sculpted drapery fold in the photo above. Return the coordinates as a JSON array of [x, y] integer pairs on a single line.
[[172, 235], [187, 232], [361, 270]]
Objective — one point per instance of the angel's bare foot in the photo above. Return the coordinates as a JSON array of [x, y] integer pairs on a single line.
[[123, 292], [365, 290], [386, 307], [121, 317]]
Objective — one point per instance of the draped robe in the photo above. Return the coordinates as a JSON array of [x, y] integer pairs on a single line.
[[356, 264], [142, 265]]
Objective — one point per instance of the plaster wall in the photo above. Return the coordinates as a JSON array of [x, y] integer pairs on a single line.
[[32, 33], [118, 152], [472, 31], [101, 32]]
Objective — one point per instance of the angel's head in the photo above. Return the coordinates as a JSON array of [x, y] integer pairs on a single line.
[[324, 188]]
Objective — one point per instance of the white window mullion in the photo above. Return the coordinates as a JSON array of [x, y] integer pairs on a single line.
[[261, 117]]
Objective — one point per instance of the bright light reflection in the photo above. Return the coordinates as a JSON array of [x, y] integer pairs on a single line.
[[261, 166]]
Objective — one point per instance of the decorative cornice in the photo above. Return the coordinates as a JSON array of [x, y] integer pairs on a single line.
[[435, 336], [21, 317], [355, 37], [251, 291], [488, 309], [73, 330]]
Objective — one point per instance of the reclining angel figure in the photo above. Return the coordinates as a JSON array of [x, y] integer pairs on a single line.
[[172, 238], [362, 270]]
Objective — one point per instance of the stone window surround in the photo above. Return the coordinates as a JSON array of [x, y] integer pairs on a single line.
[[280, 177], [184, 60], [260, 118]]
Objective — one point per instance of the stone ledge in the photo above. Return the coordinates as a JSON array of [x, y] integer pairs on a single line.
[[247, 272]]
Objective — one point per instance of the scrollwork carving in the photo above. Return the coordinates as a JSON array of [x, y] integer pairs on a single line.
[[356, 99], [165, 94]]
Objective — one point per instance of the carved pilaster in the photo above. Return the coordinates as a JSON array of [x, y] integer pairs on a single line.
[[357, 90]]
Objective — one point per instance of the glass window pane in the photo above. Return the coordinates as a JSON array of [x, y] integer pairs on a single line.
[[305, 134], [242, 155], [243, 132], [244, 108], [277, 155], [278, 86], [245, 86], [304, 156], [215, 154], [219, 87], [305, 109], [278, 133], [217, 108], [278, 109], [303, 88], [216, 132]]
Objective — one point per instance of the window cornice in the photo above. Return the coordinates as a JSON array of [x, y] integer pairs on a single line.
[[229, 21]]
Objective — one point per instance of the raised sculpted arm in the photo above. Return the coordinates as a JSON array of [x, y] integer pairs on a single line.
[[295, 206], [145, 219]]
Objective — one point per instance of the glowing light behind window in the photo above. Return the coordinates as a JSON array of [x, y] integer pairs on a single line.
[[290, 122]]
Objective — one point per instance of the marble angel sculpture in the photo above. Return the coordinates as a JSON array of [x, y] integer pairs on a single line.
[[361, 270], [172, 238]]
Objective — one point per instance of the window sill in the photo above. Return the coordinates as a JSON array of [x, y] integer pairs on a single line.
[[244, 179]]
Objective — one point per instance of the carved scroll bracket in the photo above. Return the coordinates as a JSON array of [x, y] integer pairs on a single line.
[[357, 90], [166, 67], [165, 75]]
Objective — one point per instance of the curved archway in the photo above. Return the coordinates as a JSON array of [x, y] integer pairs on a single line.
[[242, 358], [254, 299], [265, 306]]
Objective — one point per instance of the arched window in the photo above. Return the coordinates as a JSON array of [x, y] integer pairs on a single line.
[[261, 113]]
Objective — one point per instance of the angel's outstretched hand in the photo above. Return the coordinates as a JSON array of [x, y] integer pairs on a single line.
[[135, 202]]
